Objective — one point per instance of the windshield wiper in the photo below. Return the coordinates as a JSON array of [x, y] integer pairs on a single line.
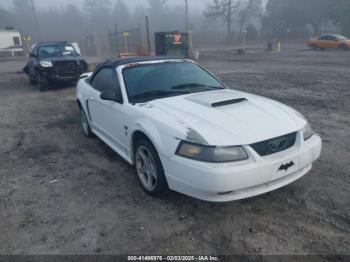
[[156, 93], [197, 85]]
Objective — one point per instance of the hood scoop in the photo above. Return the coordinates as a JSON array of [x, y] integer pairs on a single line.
[[217, 98], [229, 102]]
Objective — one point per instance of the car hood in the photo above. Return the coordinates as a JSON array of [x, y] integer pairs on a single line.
[[228, 117]]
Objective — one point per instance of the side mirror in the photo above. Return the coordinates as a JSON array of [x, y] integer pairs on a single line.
[[32, 55], [111, 96]]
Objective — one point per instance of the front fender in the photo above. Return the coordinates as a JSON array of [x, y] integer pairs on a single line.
[[81, 98], [150, 130], [163, 140]]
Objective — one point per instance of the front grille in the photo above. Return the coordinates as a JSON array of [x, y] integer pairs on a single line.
[[65, 63], [275, 145], [65, 66], [67, 69]]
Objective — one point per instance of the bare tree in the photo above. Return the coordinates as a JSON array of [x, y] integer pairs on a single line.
[[5, 18], [121, 14], [340, 15], [98, 12], [282, 15], [224, 9], [158, 12], [252, 10]]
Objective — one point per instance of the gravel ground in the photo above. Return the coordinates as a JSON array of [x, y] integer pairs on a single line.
[[61, 193]]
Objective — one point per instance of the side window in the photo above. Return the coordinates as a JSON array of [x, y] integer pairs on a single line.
[[332, 38], [328, 38], [324, 37], [16, 40], [106, 80]]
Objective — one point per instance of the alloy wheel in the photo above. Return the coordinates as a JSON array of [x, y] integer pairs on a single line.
[[146, 168]]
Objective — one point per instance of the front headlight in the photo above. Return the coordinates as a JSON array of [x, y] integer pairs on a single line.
[[307, 132], [45, 63], [211, 154]]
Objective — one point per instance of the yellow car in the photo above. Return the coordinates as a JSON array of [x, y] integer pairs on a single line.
[[331, 41]]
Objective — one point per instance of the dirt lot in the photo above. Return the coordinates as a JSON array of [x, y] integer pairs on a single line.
[[61, 193]]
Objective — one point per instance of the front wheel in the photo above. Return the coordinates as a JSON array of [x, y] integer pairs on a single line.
[[32, 81], [343, 47], [149, 169], [85, 124], [41, 82], [314, 47]]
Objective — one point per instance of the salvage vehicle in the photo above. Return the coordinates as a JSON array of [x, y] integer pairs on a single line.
[[185, 130], [52, 62], [331, 41]]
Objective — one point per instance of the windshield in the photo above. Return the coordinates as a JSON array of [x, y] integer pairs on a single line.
[[153, 81], [340, 37], [56, 50]]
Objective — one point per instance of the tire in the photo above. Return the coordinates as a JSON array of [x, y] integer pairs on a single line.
[[85, 124], [314, 47], [343, 47], [32, 81], [41, 82], [149, 169]]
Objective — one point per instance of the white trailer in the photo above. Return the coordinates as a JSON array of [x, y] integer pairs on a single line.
[[10, 43]]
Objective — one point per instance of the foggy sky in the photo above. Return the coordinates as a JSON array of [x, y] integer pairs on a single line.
[[195, 5]]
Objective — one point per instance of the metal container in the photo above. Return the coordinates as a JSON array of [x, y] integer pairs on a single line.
[[172, 44]]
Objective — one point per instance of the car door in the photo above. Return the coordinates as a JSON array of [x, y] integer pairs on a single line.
[[108, 118], [332, 41], [327, 41], [322, 41]]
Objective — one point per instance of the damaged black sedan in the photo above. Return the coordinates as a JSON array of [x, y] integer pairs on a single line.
[[52, 62]]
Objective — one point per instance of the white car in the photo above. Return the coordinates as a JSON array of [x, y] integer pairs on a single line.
[[184, 130]]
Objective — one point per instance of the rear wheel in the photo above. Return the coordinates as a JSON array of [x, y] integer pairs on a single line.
[[149, 169], [343, 47]]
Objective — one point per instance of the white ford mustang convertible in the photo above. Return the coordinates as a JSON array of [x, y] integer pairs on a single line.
[[184, 130]]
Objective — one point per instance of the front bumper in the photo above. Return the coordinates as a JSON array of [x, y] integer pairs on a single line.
[[233, 181], [54, 74]]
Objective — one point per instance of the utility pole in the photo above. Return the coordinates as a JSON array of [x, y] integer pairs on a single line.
[[187, 26], [148, 37], [111, 46], [189, 34], [35, 20], [229, 21], [116, 34]]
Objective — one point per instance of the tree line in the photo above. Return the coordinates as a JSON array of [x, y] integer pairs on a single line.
[[221, 21], [94, 19], [281, 18]]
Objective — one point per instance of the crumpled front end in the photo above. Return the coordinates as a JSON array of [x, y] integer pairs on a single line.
[[62, 71]]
